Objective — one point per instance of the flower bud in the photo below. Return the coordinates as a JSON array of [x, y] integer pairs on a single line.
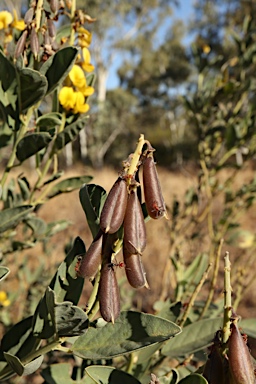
[[134, 270], [134, 226], [20, 44], [109, 297], [89, 264], [113, 211], [240, 362], [152, 190]]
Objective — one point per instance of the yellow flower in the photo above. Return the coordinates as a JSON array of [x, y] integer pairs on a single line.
[[4, 301], [80, 105], [84, 37], [7, 38], [5, 19], [77, 76], [86, 63], [18, 24], [67, 97], [86, 90]]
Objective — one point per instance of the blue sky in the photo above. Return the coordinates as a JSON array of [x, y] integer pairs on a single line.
[[183, 12]]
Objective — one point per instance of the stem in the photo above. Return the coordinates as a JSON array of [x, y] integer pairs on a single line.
[[227, 300], [194, 295], [136, 156], [72, 16], [39, 8], [214, 279], [93, 303]]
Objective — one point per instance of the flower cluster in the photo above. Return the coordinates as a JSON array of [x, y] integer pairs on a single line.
[[74, 94], [8, 22], [4, 301]]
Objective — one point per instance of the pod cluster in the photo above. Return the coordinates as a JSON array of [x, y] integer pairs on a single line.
[[122, 226], [231, 363]]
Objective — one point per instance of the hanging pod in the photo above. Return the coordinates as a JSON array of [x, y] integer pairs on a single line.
[[134, 270], [152, 190], [89, 264], [135, 237], [109, 297], [113, 211], [240, 361]]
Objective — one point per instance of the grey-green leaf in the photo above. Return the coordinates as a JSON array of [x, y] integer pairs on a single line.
[[33, 87], [194, 337], [108, 375], [4, 271], [194, 378], [70, 319], [69, 185], [92, 198], [49, 120], [31, 144], [248, 326], [69, 133], [21, 369], [131, 331], [11, 217], [57, 67]]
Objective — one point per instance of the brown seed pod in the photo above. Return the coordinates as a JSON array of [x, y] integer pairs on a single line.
[[135, 237], [113, 211], [152, 190], [29, 15], [240, 362], [109, 297], [215, 369], [20, 44], [134, 270], [54, 5], [51, 28], [89, 264], [34, 42]]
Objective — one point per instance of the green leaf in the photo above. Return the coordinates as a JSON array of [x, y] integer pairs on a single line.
[[58, 374], [69, 185], [56, 227], [194, 337], [49, 120], [65, 284], [7, 73], [32, 86], [249, 327], [24, 188], [57, 67], [194, 272], [69, 133], [37, 225], [11, 217], [131, 331], [92, 198], [21, 369], [31, 144], [108, 375], [194, 378], [44, 324], [4, 271]]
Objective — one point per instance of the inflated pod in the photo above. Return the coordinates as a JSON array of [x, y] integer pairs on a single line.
[[240, 362], [135, 237], [152, 190], [113, 211], [109, 297], [20, 46], [89, 264], [134, 270], [215, 369], [34, 42]]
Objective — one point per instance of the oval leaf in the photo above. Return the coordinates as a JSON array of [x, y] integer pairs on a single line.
[[194, 337], [131, 331], [49, 120], [4, 271], [33, 87], [249, 327], [109, 375], [57, 67], [194, 378], [69, 133], [11, 217], [69, 185], [31, 144]]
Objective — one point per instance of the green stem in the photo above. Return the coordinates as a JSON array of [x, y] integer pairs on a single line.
[[72, 16], [136, 156], [39, 8], [227, 300]]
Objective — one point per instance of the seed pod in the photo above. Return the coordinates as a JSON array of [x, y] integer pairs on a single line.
[[134, 270], [29, 16], [51, 28], [109, 296], [89, 264], [214, 370], [113, 211], [240, 362], [20, 44], [54, 5], [34, 42], [152, 190], [135, 237]]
